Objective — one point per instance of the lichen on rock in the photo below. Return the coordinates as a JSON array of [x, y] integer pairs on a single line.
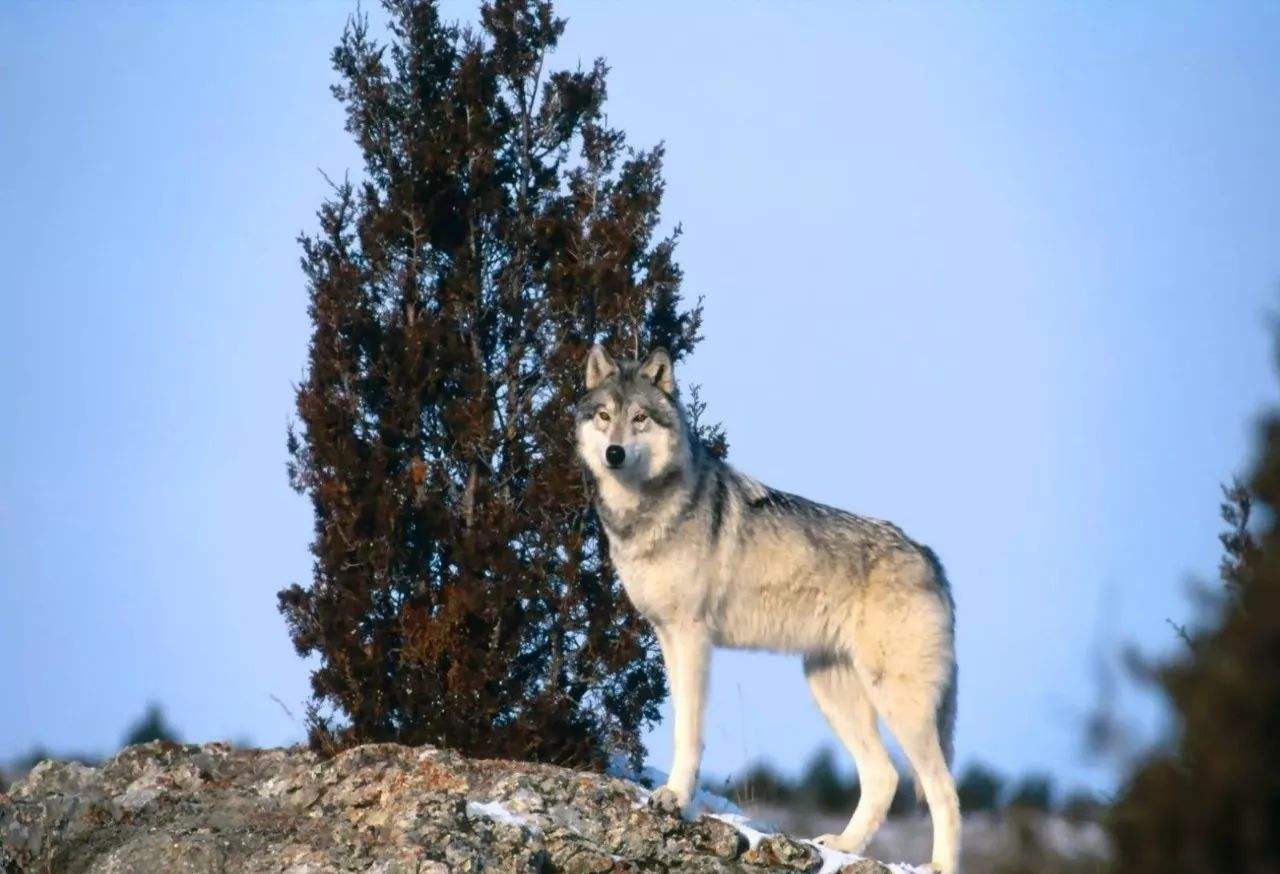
[[382, 808]]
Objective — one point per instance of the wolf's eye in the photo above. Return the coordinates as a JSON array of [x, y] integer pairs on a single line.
[[604, 417], [640, 418]]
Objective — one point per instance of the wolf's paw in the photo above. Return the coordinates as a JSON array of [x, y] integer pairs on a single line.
[[838, 842], [667, 800]]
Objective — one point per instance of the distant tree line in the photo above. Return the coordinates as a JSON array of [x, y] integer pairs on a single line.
[[823, 786], [150, 726]]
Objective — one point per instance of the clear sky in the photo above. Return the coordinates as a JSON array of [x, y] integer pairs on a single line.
[[1002, 273]]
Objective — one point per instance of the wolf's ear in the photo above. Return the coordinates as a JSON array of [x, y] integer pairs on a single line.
[[599, 366], [657, 369]]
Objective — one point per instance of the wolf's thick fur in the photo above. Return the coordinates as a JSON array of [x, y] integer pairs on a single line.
[[713, 558]]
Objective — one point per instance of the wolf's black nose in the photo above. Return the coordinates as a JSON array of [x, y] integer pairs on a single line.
[[615, 455]]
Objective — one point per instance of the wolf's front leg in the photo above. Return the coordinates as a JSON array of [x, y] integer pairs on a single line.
[[686, 650]]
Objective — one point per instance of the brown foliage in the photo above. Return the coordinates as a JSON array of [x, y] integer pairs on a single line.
[[461, 592]]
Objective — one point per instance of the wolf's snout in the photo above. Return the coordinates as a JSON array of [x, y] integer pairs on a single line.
[[615, 455]]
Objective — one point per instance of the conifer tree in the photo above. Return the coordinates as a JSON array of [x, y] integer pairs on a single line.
[[461, 593], [1211, 800], [150, 726]]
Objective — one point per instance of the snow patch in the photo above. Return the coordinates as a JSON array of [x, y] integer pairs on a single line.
[[709, 802], [721, 808], [834, 860], [495, 811]]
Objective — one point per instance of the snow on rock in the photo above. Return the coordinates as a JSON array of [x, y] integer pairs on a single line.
[[713, 806], [745, 827], [495, 811]]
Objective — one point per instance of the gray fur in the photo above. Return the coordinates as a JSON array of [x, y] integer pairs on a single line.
[[714, 558]]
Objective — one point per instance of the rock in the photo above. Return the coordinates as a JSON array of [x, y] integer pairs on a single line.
[[383, 809], [865, 866], [779, 851]]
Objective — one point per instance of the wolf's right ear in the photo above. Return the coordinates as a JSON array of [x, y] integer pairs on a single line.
[[599, 366]]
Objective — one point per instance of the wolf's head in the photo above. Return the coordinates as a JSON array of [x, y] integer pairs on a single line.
[[630, 425]]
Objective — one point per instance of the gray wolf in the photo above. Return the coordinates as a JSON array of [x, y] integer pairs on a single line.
[[711, 557]]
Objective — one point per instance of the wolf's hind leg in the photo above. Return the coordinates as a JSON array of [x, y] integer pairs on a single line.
[[909, 708], [842, 699]]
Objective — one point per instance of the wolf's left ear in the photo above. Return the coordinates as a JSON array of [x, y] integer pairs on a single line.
[[657, 369]]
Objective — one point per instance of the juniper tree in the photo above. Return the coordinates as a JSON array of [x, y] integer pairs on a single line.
[[461, 592]]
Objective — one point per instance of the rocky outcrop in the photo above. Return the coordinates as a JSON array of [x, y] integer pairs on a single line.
[[380, 808]]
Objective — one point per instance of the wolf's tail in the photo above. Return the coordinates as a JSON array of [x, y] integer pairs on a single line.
[[947, 703], [946, 728], [947, 715], [946, 712]]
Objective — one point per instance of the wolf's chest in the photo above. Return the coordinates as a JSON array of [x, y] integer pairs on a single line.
[[664, 587]]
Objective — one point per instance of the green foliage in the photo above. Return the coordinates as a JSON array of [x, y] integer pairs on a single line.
[[1083, 806], [1033, 792], [461, 593], [906, 799], [1210, 801], [760, 785], [979, 789], [822, 786]]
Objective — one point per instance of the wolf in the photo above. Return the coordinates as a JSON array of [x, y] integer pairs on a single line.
[[711, 557]]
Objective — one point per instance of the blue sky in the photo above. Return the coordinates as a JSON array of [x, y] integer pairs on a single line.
[[1003, 273]]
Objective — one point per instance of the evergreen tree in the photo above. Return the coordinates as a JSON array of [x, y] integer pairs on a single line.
[[150, 726], [822, 786], [980, 789], [761, 783], [1032, 792], [461, 593], [1211, 800]]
